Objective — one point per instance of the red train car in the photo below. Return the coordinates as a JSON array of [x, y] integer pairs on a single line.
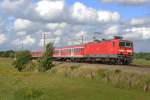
[[116, 50], [37, 53], [69, 52]]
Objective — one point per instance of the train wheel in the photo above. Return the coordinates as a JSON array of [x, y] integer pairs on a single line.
[[119, 62], [126, 62], [113, 61]]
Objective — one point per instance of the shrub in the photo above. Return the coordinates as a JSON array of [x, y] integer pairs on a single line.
[[31, 66], [22, 59], [45, 62]]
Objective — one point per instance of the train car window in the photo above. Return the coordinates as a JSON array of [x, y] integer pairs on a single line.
[[55, 52], [74, 50], [128, 44], [81, 49], [122, 44], [78, 50], [125, 44], [70, 51], [58, 51]]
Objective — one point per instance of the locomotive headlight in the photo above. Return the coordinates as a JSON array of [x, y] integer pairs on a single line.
[[130, 51], [121, 50]]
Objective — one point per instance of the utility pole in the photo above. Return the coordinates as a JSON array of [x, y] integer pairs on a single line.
[[22, 44], [44, 40], [94, 35], [15, 51], [82, 39]]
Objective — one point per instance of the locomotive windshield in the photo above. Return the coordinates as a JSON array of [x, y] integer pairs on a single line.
[[125, 44]]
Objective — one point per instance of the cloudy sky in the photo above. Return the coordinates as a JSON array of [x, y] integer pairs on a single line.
[[65, 22]]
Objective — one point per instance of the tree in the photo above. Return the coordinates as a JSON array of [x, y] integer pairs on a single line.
[[45, 62], [22, 59], [9, 53], [142, 55]]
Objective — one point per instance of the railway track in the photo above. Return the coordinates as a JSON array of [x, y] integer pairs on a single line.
[[140, 66], [126, 68]]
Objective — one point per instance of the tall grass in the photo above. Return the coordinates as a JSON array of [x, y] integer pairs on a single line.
[[114, 77]]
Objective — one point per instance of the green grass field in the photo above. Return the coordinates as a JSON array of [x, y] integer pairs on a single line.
[[46, 86]]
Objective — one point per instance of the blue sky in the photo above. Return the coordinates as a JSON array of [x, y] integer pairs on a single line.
[[67, 20]]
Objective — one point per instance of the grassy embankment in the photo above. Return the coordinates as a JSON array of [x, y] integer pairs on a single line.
[[141, 62], [62, 84], [142, 59]]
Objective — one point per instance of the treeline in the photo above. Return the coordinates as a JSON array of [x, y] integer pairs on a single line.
[[142, 55], [7, 54]]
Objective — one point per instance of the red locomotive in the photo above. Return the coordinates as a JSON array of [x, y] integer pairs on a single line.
[[117, 51]]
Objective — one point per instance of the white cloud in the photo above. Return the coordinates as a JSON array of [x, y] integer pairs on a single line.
[[140, 21], [22, 24], [57, 40], [26, 40], [1, 23], [127, 2], [81, 33], [16, 42], [13, 5], [49, 9], [136, 21], [138, 33], [112, 30], [41, 42], [55, 26], [21, 33], [82, 13], [107, 16], [2, 38], [58, 32]]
